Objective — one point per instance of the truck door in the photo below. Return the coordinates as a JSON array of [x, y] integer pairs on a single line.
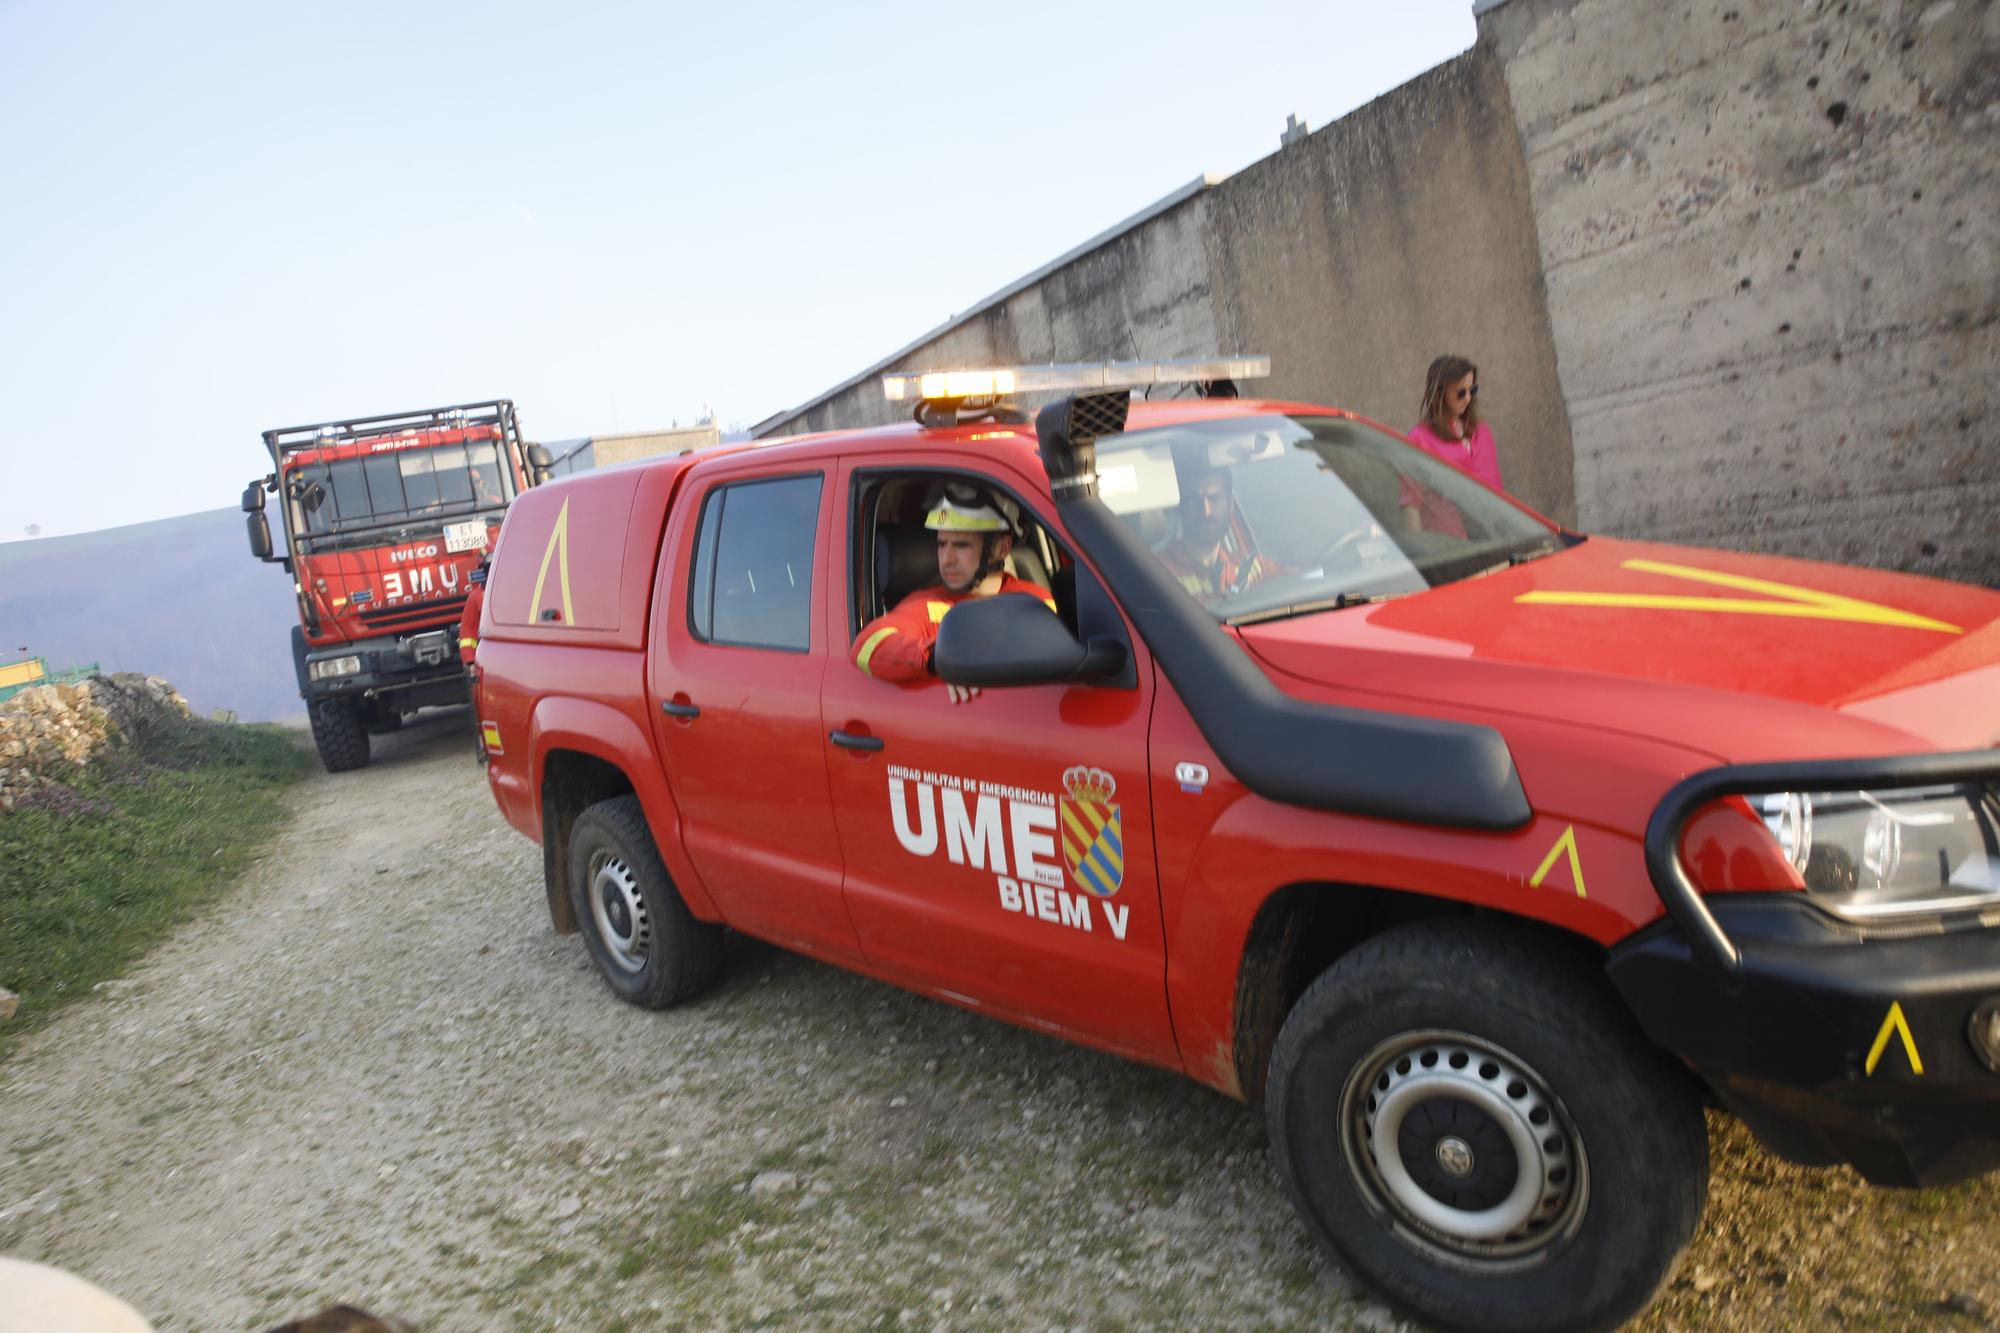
[[998, 852], [733, 675]]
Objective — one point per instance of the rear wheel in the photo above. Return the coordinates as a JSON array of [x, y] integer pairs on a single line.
[[1472, 1121], [338, 735], [645, 942]]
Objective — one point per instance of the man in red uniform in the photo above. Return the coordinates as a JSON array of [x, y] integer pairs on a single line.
[[974, 537], [1213, 557]]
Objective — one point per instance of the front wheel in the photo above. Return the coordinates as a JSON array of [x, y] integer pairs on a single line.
[[1471, 1120], [650, 949], [339, 735]]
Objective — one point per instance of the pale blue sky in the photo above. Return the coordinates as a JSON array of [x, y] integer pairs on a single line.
[[217, 218]]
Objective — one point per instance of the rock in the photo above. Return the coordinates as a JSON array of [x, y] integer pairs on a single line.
[[567, 1206], [48, 727], [9, 1003], [767, 1184], [1965, 1303]]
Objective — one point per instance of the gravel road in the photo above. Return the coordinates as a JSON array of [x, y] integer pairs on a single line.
[[374, 1074]]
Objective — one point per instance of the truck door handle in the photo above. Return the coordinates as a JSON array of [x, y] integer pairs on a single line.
[[672, 709], [847, 740]]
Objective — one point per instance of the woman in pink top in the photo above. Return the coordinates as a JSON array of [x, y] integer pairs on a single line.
[[1452, 428]]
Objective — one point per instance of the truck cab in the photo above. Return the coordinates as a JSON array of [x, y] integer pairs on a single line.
[[1479, 852], [384, 519]]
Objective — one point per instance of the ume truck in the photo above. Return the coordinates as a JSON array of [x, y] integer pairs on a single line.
[[385, 520]]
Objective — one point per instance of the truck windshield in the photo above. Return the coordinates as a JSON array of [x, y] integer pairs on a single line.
[[405, 485], [1265, 516]]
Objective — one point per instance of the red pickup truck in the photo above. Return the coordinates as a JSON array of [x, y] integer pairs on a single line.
[[1480, 852]]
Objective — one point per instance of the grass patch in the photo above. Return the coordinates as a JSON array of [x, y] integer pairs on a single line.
[[92, 873]]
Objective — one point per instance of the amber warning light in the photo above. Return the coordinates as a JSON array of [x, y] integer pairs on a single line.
[[1000, 381]]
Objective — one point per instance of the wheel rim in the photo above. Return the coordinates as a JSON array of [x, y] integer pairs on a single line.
[[1460, 1145], [619, 913]]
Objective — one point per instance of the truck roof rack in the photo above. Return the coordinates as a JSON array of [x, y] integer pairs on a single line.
[[492, 412]]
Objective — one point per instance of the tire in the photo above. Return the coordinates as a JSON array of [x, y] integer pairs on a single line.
[[647, 946], [338, 735], [1548, 1164]]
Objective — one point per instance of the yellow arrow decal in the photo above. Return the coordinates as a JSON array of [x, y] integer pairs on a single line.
[[1899, 1025], [1804, 603], [558, 540], [1566, 843]]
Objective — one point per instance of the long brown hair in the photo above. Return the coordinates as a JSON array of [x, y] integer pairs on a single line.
[[1445, 372]]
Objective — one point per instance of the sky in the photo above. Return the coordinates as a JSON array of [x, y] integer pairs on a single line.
[[220, 218]]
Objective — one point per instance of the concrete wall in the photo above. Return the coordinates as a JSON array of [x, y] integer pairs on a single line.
[[1770, 229], [1352, 257]]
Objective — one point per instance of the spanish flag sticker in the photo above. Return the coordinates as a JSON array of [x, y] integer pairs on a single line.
[[489, 732]]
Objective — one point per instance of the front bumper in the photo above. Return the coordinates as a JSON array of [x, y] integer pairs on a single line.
[[425, 662], [1804, 1041]]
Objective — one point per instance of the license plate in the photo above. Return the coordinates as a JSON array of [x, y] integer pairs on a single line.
[[467, 536]]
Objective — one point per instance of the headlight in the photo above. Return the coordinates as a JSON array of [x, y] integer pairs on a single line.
[[333, 666], [1874, 854]]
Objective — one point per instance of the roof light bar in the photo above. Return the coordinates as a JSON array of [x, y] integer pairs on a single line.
[[1001, 381]]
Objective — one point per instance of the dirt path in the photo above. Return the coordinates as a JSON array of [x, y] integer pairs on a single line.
[[374, 1074]]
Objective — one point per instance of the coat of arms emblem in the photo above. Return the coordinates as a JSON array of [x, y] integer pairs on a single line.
[[1093, 838]]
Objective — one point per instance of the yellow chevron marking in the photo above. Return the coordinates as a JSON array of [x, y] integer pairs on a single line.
[[1804, 603], [558, 539], [1566, 843], [1899, 1025]]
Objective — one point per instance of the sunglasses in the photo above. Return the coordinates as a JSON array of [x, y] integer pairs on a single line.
[[1473, 392]]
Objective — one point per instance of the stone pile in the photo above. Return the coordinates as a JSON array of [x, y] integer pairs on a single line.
[[48, 729]]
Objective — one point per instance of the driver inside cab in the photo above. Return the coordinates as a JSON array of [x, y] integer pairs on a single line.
[[975, 535], [1213, 557]]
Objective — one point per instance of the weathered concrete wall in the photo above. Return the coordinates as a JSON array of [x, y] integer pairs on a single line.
[[1399, 232], [1769, 229], [1352, 258]]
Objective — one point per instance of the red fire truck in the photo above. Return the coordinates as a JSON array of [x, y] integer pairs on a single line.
[[386, 519]]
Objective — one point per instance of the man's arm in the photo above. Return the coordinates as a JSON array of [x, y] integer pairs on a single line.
[[896, 645]]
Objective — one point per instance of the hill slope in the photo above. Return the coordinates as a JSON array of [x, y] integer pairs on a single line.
[[180, 598]]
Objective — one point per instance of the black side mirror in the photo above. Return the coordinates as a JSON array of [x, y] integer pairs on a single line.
[[260, 533], [1015, 640], [253, 498], [540, 462]]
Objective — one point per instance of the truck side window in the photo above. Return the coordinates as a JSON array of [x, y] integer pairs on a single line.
[[753, 564]]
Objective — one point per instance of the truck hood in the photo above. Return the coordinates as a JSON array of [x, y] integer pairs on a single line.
[[1748, 658]]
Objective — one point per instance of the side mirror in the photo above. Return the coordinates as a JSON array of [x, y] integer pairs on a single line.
[[1015, 640], [260, 534], [540, 462], [253, 498]]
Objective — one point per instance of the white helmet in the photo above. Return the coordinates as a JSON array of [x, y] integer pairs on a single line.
[[962, 506]]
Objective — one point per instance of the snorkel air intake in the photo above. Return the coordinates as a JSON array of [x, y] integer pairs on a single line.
[[1420, 770]]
